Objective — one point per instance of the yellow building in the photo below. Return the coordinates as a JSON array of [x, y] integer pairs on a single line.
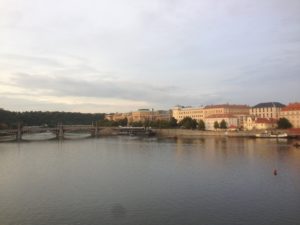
[[202, 113], [267, 110], [140, 115], [292, 113], [254, 123], [226, 109], [162, 115], [180, 112], [117, 116]]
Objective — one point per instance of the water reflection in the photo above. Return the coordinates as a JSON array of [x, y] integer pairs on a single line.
[[126, 180]]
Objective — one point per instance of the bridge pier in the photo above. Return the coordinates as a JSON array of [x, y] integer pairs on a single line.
[[60, 131], [95, 130], [19, 133]]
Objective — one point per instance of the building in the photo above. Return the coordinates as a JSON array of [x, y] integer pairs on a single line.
[[140, 115], [180, 112], [109, 116], [162, 115], [198, 113], [231, 121], [239, 112], [254, 123], [292, 113], [226, 109], [117, 116], [267, 110]]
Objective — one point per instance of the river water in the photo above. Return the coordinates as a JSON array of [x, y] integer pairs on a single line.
[[127, 180]]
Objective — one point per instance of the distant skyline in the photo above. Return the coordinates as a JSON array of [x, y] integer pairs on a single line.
[[117, 56]]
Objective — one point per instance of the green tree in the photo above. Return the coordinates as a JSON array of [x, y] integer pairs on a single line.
[[188, 123], [223, 124], [107, 123], [173, 122], [137, 124], [123, 122], [284, 123], [163, 124], [38, 118], [201, 125], [216, 125]]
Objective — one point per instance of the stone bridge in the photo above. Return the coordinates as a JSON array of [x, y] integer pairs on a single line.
[[59, 131]]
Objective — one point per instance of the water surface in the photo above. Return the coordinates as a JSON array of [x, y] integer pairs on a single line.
[[125, 180]]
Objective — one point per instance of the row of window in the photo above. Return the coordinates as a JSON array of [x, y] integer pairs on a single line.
[[263, 110], [291, 113]]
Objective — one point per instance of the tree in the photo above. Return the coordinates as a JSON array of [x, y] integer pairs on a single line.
[[38, 118], [201, 125], [123, 122], [173, 122], [223, 124], [284, 123], [137, 124], [163, 124], [216, 125], [188, 123]]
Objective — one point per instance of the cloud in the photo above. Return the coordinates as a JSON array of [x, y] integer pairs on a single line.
[[148, 53], [101, 88]]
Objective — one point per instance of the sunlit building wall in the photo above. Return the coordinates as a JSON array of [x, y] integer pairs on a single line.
[[267, 110], [231, 121], [180, 112], [292, 113]]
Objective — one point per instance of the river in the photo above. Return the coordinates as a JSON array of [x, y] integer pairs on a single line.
[[138, 181]]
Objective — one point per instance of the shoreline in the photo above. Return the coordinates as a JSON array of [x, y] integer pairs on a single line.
[[175, 133], [178, 133]]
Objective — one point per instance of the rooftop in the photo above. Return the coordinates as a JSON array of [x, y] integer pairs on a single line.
[[225, 106], [269, 105], [292, 107], [265, 120], [221, 116]]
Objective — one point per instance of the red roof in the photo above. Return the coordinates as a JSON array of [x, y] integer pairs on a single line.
[[265, 120], [292, 107], [226, 106], [221, 116]]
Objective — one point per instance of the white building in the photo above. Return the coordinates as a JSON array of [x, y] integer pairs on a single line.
[[231, 121]]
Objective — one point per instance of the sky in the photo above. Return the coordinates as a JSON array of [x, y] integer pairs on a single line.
[[123, 55]]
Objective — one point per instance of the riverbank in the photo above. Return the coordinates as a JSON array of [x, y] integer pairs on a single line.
[[174, 133]]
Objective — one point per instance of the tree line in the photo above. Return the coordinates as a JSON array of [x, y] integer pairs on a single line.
[[9, 119]]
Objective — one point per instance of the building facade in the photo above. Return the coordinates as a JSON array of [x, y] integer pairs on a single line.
[[231, 121], [141, 115], [270, 110], [254, 123], [226, 109], [180, 112], [292, 113]]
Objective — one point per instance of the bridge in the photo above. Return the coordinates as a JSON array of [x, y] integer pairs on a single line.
[[59, 131]]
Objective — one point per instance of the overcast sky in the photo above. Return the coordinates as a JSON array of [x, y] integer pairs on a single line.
[[122, 55]]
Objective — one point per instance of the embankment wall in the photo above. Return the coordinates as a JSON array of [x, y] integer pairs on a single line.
[[173, 133]]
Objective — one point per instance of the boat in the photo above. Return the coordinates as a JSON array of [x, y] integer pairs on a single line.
[[297, 145], [136, 131], [271, 135]]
